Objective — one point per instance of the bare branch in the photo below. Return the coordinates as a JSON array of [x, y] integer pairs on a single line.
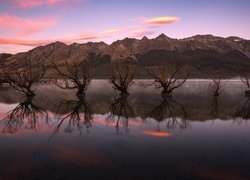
[[122, 77], [167, 78], [76, 75], [22, 76]]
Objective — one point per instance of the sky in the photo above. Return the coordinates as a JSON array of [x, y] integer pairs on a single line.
[[25, 24]]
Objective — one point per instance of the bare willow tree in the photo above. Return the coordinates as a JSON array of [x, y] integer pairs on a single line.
[[79, 115], [122, 77], [168, 77], [22, 77], [76, 74], [25, 115], [245, 78], [120, 111]]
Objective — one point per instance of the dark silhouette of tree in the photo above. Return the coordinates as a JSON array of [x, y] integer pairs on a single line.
[[245, 78], [119, 112], [79, 115], [25, 115], [171, 112], [122, 77], [216, 86], [76, 74], [2, 80], [23, 76], [168, 78]]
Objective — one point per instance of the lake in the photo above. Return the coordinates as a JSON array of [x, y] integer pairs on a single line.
[[193, 135]]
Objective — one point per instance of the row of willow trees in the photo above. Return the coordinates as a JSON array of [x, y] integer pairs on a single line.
[[76, 74], [73, 74]]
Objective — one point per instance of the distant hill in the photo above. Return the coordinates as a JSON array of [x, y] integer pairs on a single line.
[[205, 54]]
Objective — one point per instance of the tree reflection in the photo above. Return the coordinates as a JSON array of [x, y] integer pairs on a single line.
[[25, 115], [79, 115], [119, 113], [214, 107], [171, 112], [243, 110]]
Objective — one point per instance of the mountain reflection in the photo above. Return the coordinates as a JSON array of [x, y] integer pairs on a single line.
[[171, 112], [25, 115], [78, 115], [120, 112]]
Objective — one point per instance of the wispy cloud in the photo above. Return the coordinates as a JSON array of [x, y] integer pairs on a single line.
[[29, 42], [111, 31], [25, 27], [24, 41], [84, 37], [141, 32], [160, 20], [26, 4]]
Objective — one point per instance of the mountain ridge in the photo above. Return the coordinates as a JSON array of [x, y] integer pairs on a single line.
[[203, 52]]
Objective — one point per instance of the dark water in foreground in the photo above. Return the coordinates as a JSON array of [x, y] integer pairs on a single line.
[[56, 135]]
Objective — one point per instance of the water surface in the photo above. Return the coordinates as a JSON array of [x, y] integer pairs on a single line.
[[57, 135]]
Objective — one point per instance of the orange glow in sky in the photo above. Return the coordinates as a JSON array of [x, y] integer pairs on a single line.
[[162, 20]]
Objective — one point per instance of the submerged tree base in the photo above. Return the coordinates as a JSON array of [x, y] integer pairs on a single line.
[[124, 93], [216, 94], [30, 94], [80, 93], [166, 94]]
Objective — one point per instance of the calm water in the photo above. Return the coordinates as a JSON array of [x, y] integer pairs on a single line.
[[56, 135]]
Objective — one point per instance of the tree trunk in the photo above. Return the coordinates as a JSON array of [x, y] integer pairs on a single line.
[[80, 91], [166, 93], [124, 92]]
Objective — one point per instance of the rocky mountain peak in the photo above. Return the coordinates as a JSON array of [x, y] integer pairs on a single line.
[[145, 38], [56, 44], [162, 36]]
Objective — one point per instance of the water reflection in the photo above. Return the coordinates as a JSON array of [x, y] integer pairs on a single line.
[[193, 102], [120, 112], [25, 115], [78, 115], [214, 107], [170, 111], [169, 138], [243, 110]]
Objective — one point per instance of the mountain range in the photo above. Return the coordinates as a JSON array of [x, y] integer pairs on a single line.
[[205, 54]]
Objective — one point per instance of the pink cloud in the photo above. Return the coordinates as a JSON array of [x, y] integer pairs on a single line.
[[84, 37], [24, 42], [29, 42], [25, 27], [161, 20], [111, 31], [25, 4]]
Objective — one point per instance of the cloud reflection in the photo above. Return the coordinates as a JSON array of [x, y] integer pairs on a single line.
[[157, 133]]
